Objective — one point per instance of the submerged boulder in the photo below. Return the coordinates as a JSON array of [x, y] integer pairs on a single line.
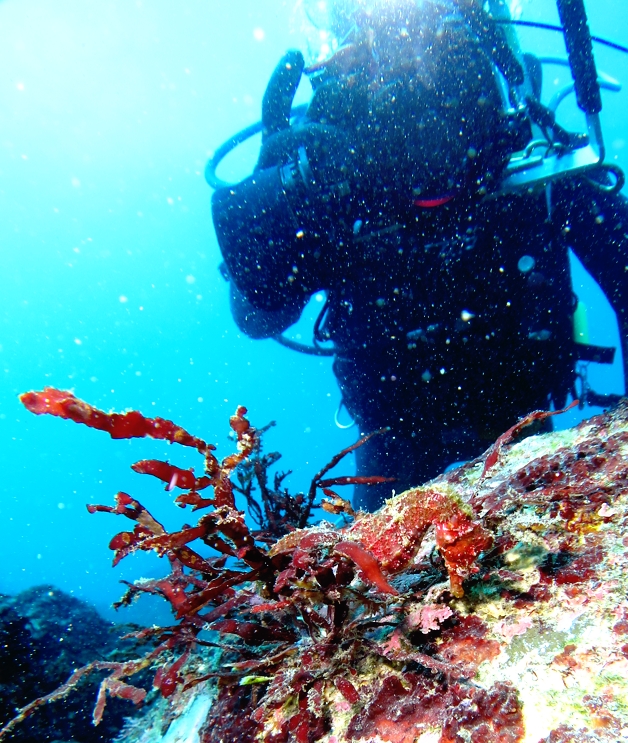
[[44, 635]]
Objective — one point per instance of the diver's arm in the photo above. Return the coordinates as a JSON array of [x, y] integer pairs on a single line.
[[278, 228], [595, 226], [258, 323], [266, 252]]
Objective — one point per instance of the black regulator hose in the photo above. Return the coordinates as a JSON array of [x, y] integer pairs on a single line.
[[277, 111], [237, 139], [558, 29], [573, 18], [225, 148]]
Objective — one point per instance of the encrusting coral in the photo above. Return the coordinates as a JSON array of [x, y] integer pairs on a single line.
[[488, 605]]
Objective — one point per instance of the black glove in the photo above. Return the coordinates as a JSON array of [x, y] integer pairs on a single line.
[[315, 160]]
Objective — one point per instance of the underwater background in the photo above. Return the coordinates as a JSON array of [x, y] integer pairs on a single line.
[[109, 264]]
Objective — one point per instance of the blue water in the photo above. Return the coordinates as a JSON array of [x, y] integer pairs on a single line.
[[110, 287]]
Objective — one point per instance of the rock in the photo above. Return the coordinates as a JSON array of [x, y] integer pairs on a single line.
[[45, 634]]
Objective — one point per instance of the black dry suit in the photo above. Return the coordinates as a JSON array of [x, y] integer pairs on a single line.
[[450, 305]]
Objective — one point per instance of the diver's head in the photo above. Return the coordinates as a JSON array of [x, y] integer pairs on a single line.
[[430, 92]]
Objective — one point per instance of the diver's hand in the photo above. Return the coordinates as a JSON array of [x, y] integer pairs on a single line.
[[279, 94], [315, 160]]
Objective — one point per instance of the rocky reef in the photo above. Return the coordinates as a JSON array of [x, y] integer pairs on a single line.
[[44, 635], [488, 605]]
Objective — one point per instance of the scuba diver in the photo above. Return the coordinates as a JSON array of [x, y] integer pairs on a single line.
[[432, 196]]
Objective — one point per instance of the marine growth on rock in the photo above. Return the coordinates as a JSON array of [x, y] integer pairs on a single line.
[[488, 605]]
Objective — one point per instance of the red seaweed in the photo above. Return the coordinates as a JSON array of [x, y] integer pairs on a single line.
[[174, 476], [508, 436], [369, 567], [129, 425], [202, 583]]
